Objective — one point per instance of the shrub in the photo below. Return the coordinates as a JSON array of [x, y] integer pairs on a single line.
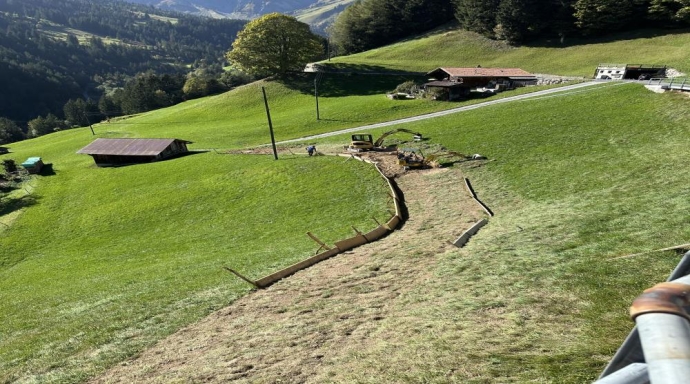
[[409, 87]]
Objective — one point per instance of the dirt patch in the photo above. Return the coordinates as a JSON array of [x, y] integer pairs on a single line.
[[312, 326]]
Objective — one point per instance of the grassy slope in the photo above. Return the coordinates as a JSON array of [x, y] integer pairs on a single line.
[[455, 48], [104, 261], [574, 181], [238, 118], [59, 325], [604, 176], [320, 11]]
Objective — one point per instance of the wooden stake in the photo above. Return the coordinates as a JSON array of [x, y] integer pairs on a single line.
[[241, 277], [319, 242]]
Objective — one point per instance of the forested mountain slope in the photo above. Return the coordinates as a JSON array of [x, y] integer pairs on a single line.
[[317, 13], [53, 51], [370, 24]]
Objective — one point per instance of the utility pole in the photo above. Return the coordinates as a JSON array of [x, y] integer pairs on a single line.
[[270, 124], [316, 96], [86, 115], [318, 77]]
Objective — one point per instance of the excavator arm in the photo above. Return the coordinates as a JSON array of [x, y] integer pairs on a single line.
[[379, 142]]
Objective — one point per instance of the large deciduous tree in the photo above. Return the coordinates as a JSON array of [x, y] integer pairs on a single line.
[[275, 44], [44, 125], [9, 131]]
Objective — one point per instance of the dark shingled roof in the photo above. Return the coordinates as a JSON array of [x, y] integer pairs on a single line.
[[483, 72], [128, 147]]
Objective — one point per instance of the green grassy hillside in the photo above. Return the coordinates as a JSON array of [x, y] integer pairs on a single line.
[[575, 181], [457, 48], [321, 12], [100, 263]]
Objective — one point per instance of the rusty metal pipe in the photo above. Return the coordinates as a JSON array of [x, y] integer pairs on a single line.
[[670, 297], [630, 351], [664, 328]]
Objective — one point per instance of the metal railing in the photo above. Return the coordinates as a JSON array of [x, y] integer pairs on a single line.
[[676, 83], [657, 350]]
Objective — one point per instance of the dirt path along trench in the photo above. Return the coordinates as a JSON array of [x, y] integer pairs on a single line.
[[325, 323]]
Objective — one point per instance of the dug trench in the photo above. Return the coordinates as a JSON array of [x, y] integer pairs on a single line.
[[323, 323]]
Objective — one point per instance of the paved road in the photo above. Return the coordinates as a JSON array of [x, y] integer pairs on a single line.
[[568, 89]]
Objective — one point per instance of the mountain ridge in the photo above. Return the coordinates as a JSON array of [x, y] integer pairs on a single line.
[[318, 13]]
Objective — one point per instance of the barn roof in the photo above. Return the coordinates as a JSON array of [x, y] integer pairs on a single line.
[[483, 72], [128, 147]]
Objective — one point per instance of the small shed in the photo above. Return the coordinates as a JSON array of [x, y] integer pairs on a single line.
[[33, 164], [483, 77], [114, 152]]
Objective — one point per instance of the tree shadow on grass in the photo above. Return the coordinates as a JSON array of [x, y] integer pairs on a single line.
[[144, 162], [10, 204], [647, 33], [339, 84], [365, 69]]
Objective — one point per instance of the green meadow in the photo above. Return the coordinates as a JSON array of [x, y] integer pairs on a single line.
[[575, 181], [99, 263], [451, 47]]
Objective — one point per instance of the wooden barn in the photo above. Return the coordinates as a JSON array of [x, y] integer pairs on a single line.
[[114, 152], [472, 78]]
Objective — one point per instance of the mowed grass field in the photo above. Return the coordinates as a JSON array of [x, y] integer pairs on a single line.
[[539, 295], [457, 48], [101, 263]]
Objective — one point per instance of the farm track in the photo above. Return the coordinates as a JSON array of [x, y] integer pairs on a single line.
[[314, 326]]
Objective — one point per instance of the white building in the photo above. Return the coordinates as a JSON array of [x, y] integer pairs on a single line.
[[610, 71]]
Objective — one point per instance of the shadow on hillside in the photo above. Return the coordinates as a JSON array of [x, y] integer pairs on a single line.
[[339, 84], [9, 205], [621, 36], [145, 162], [364, 69], [47, 170]]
